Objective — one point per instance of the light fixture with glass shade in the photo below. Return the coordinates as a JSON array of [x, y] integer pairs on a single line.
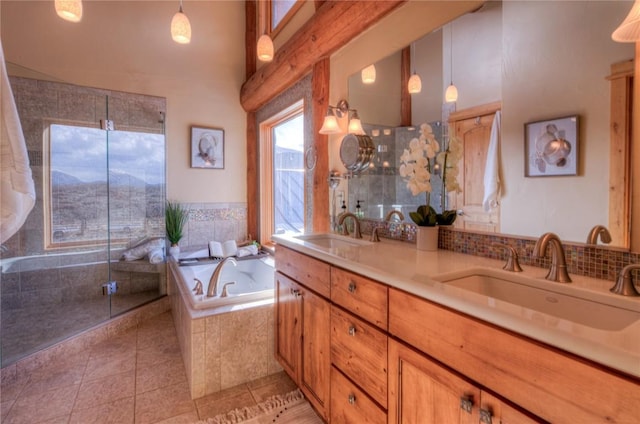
[[415, 83], [69, 10], [629, 29], [355, 125], [368, 74], [265, 48], [451, 95], [180, 27], [331, 125]]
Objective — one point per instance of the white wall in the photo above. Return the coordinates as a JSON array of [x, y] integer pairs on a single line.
[[127, 46]]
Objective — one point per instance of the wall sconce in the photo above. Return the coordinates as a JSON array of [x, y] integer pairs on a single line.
[[180, 27], [629, 29], [69, 10], [368, 74], [330, 124]]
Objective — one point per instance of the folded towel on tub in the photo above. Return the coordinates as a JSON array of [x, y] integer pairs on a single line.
[[156, 256], [252, 249]]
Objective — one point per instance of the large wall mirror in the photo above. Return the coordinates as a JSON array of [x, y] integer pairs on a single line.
[[536, 61]]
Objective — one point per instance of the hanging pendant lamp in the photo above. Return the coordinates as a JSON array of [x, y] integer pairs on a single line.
[[414, 85], [69, 10], [451, 95], [368, 74], [629, 29], [180, 27], [265, 48]]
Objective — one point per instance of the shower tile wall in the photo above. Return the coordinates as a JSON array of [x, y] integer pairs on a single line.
[[215, 221]]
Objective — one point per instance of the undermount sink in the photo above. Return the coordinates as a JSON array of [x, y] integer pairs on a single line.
[[330, 241], [591, 310]]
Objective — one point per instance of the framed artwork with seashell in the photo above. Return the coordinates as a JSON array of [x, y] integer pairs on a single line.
[[207, 148], [552, 147]]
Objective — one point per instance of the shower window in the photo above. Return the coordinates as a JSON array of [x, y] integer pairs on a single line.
[[82, 194]]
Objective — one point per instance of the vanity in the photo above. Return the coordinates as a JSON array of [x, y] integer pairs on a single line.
[[384, 333]]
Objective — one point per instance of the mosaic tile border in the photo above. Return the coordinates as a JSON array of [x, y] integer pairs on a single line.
[[590, 261]]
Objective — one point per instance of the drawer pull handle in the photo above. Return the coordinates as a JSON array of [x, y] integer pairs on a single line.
[[352, 330], [352, 399], [485, 416], [295, 292], [466, 404], [352, 287]]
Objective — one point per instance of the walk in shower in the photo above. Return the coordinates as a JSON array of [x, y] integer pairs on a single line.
[[98, 163]]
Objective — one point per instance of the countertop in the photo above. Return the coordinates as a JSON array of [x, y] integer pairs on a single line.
[[400, 265]]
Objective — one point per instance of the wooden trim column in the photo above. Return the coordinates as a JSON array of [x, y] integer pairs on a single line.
[[253, 178], [250, 37], [320, 102], [405, 97]]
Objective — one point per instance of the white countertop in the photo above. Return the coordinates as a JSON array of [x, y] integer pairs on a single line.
[[399, 264]]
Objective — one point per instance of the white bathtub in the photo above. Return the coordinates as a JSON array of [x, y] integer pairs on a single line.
[[254, 280]]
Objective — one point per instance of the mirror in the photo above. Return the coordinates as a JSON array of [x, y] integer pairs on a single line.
[[508, 52]]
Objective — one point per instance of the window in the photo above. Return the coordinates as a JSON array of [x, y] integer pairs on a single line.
[[99, 187], [282, 192], [280, 12]]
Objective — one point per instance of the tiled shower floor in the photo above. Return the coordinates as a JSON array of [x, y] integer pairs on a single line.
[[136, 377], [28, 330]]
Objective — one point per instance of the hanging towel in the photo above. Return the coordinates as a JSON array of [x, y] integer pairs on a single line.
[[17, 191], [491, 171]]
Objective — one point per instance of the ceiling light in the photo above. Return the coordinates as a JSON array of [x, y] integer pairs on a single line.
[[69, 10], [265, 48], [369, 74], [415, 84], [451, 95], [180, 27], [629, 29]]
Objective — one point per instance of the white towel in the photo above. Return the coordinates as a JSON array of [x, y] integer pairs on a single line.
[[491, 171], [17, 191], [156, 256], [249, 250]]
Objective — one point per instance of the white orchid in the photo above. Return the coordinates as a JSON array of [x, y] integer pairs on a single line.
[[448, 161], [415, 167]]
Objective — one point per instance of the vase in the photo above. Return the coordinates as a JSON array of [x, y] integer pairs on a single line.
[[427, 238], [174, 251]]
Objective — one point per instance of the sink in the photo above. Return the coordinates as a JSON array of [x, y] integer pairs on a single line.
[[331, 241], [592, 310]]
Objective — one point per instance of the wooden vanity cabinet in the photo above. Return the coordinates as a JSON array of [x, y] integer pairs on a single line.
[[303, 318]]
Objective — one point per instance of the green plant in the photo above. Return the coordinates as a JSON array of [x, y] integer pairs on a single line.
[[176, 217], [446, 217], [425, 216]]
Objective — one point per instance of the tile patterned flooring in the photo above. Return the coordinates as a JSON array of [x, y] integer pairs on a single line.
[[136, 377]]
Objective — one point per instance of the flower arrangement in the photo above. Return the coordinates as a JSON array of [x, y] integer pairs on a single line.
[[416, 170]]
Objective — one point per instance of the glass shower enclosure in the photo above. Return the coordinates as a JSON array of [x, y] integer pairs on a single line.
[[98, 162]]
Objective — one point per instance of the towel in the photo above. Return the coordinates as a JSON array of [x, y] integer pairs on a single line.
[[17, 191], [156, 256], [249, 250], [491, 171]]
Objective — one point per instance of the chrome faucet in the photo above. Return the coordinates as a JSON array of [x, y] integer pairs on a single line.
[[599, 230], [624, 285], [212, 290], [198, 288], [394, 212], [558, 271], [356, 225], [512, 258]]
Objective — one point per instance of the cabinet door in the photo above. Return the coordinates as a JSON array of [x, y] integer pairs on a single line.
[[423, 392], [495, 411], [316, 358], [288, 325]]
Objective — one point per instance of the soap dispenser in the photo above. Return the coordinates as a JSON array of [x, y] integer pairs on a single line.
[[359, 211]]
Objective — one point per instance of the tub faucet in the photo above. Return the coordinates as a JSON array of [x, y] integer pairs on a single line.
[[599, 230], [356, 225], [558, 271], [212, 290], [624, 285], [394, 212]]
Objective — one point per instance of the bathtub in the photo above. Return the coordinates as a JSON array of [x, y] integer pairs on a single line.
[[253, 278]]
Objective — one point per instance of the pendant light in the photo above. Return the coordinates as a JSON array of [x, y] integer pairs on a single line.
[[451, 95], [369, 74], [415, 83], [629, 29], [264, 49], [180, 27], [69, 10]]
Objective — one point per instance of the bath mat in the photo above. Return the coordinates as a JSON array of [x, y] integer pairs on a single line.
[[291, 408]]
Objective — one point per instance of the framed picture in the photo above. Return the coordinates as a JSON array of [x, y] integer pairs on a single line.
[[551, 147], [207, 148]]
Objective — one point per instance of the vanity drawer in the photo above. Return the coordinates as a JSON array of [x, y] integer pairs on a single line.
[[350, 405], [363, 297], [311, 272], [359, 350]]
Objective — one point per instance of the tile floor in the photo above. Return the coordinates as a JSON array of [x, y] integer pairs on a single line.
[[136, 377]]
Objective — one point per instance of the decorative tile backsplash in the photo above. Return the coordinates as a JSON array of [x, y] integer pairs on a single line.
[[582, 259]]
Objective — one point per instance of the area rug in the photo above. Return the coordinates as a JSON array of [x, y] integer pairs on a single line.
[[291, 408]]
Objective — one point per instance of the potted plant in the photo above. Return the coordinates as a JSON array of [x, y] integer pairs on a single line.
[[416, 169], [176, 217]]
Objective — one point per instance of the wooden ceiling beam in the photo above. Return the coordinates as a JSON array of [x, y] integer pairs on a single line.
[[334, 24]]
